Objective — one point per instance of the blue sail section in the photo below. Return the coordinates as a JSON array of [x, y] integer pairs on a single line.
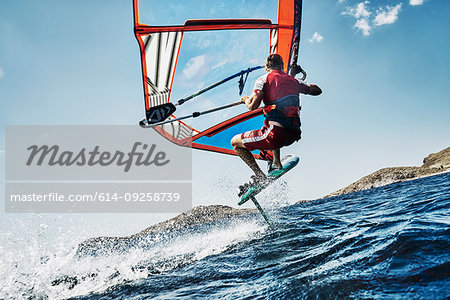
[[223, 138]]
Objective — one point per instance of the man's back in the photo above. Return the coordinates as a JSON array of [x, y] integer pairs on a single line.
[[277, 84]]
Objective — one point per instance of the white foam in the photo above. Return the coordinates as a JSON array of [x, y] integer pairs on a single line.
[[32, 260]]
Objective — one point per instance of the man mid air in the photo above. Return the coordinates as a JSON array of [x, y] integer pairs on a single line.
[[280, 94]]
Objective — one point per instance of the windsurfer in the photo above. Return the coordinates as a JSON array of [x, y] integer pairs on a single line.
[[279, 92]]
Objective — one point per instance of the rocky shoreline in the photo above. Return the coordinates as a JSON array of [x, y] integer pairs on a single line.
[[197, 215], [432, 164]]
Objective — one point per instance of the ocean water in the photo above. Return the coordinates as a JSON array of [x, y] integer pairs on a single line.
[[391, 242]]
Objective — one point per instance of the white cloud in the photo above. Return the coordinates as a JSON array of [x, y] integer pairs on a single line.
[[364, 26], [361, 10], [387, 16], [415, 2], [362, 14], [365, 22], [220, 64], [316, 38], [193, 66], [2, 73]]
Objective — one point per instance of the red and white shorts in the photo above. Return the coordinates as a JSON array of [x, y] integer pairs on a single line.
[[269, 137]]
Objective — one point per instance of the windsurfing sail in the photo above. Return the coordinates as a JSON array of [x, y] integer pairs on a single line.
[[176, 58]]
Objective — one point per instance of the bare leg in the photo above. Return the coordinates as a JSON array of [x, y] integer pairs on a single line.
[[246, 156], [276, 159]]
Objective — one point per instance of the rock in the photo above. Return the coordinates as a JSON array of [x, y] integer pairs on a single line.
[[434, 163], [439, 160], [197, 215]]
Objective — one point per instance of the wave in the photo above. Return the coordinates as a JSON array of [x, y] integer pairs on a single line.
[[388, 242]]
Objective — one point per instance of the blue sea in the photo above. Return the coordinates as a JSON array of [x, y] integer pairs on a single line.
[[391, 242]]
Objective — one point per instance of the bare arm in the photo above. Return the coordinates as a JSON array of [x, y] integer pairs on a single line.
[[309, 88], [315, 90], [254, 101]]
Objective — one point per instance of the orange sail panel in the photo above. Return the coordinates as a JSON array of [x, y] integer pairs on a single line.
[[286, 15]]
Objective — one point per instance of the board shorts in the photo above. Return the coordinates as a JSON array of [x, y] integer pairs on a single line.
[[270, 137]]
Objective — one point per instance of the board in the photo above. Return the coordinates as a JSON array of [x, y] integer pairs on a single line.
[[288, 162]]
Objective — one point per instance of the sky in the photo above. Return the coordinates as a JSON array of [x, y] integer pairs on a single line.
[[383, 67]]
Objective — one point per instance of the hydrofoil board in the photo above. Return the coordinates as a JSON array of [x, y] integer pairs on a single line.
[[288, 162]]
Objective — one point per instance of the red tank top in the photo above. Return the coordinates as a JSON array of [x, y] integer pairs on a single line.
[[281, 97], [277, 84]]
